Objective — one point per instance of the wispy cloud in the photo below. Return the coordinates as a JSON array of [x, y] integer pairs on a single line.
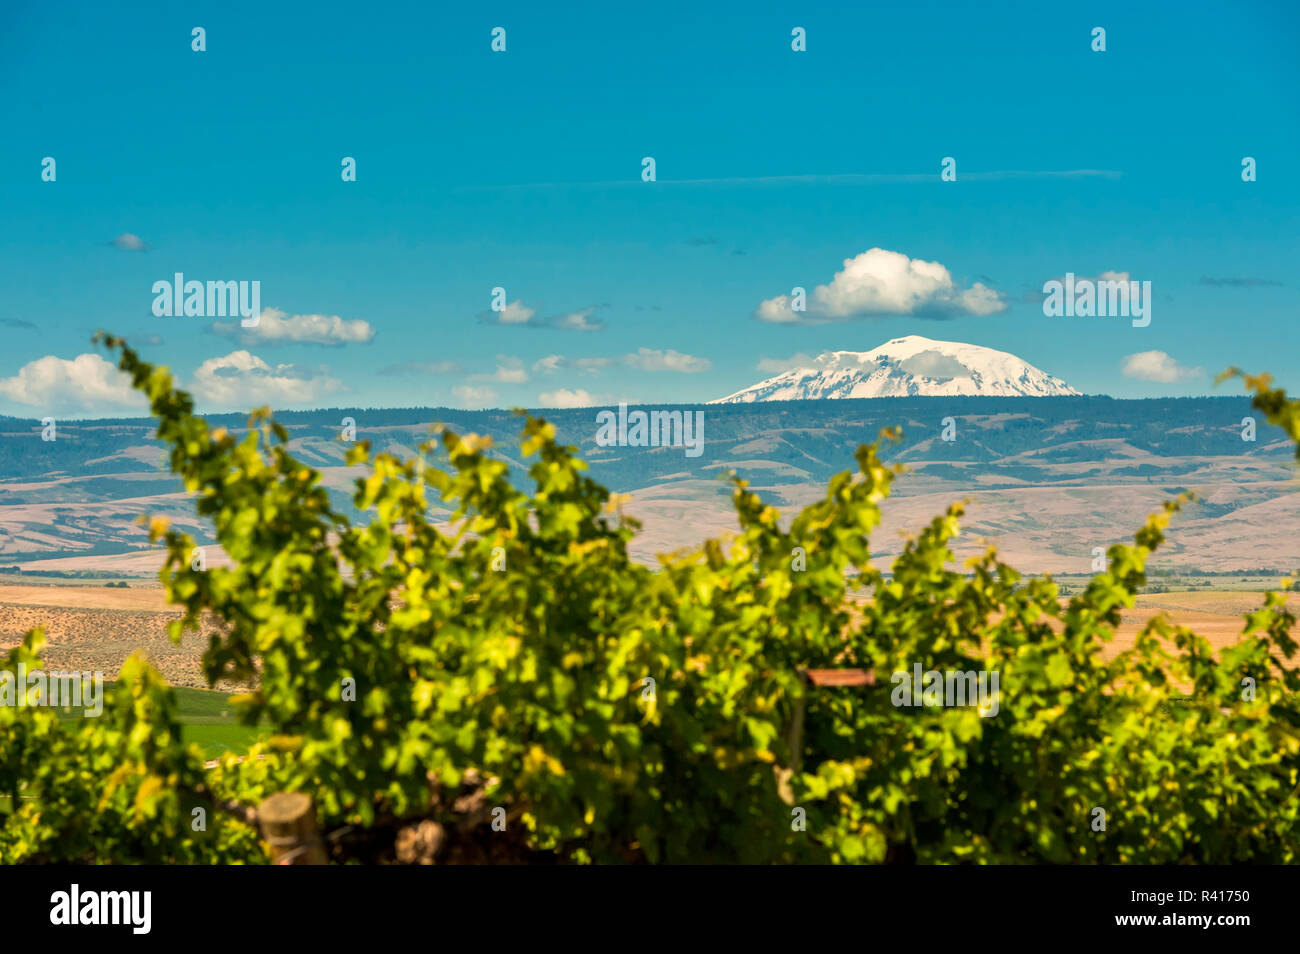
[[901, 178], [1238, 282], [643, 359], [473, 396], [850, 178], [651, 359], [780, 365], [422, 367], [556, 362], [1033, 294], [275, 327], [508, 371], [575, 321], [520, 315]]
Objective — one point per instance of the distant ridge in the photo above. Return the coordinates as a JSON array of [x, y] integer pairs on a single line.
[[911, 366]]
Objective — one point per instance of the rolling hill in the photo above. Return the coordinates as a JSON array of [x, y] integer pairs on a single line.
[[1048, 478]]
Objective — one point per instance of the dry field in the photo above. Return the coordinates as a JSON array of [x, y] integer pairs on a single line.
[[91, 626], [1216, 615], [94, 627]]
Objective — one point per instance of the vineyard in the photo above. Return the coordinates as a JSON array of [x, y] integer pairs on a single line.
[[517, 688]]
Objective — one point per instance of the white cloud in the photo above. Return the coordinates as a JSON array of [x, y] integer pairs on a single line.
[[130, 243], [563, 397], [1157, 366], [509, 371], [469, 394], [241, 380], [648, 359], [276, 327], [778, 365], [516, 313], [881, 282], [85, 384]]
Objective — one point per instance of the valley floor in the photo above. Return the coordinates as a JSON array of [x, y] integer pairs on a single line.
[[96, 627]]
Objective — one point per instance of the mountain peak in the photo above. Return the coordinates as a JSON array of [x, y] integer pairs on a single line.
[[904, 367]]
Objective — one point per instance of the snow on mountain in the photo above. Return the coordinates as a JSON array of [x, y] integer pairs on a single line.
[[905, 367]]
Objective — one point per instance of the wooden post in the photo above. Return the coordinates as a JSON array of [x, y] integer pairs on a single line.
[[795, 739], [288, 822], [812, 679]]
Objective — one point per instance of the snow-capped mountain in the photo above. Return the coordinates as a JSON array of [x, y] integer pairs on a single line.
[[905, 367]]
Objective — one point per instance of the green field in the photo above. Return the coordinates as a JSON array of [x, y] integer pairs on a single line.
[[1071, 584], [209, 721], [206, 719]]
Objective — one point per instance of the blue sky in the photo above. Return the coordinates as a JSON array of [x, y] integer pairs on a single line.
[[522, 170]]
